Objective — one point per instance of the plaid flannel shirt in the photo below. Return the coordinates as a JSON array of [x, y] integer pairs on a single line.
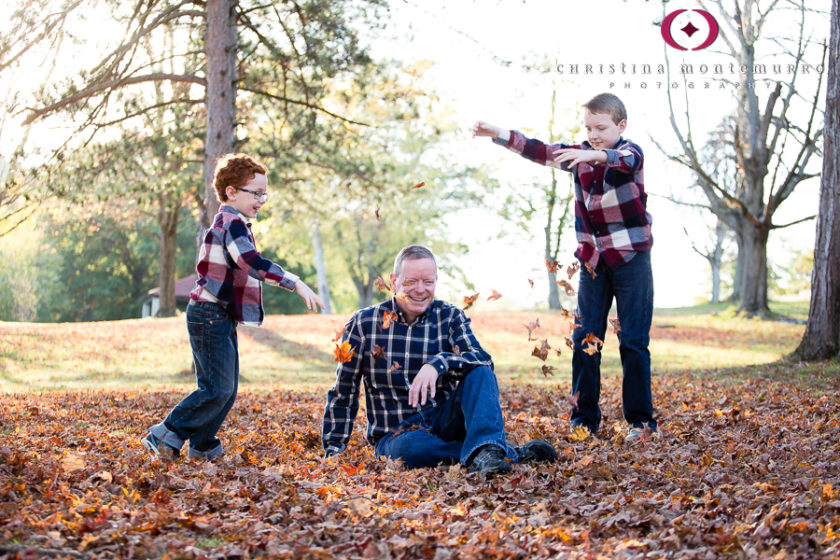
[[230, 270], [441, 337], [611, 217]]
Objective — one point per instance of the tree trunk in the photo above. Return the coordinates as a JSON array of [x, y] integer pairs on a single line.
[[167, 240], [717, 260], [754, 273], [738, 278], [822, 334], [220, 100], [321, 268], [553, 294]]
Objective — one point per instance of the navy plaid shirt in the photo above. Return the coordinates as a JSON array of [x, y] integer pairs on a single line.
[[441, 336]]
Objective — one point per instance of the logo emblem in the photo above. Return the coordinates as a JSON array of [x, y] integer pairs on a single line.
[[687, 30]]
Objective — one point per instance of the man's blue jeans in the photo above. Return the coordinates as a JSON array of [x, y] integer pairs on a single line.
[[199, 416], [632, 287], [472, 417]]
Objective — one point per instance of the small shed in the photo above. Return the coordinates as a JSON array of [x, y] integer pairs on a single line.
[[151, 301]]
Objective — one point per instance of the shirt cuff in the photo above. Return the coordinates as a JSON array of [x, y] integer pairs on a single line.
[[439, 364], [612, 157], [503, 138], [289, 281]]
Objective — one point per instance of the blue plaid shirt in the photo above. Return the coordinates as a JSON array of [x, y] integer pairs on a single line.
[[441, 336]]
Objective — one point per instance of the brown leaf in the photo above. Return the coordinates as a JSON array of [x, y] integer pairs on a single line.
[[547, 370], [388, 317], [378, 352], [470, 300], [381, 284], [494, 295], [541, 351], [572, 269], [615, 324], [394, 367], [532, 326], [590, 270], [567, 287], [552, 265]]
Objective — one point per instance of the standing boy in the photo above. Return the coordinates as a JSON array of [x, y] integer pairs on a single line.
[[228, 291], [614, 241]]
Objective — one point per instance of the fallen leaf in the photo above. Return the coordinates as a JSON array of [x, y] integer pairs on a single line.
[[388, 317], [541, 351], [360, 506], [579, 433], [381, 284], [567, 287], [378, 352], [532, 326], [343, 352], [73, 462]]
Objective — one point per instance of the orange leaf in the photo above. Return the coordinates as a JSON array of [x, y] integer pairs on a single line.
[[378, 352], [572, 269], [381, 284], [531, 282], [456, 350], [418, 185], [494, 295], [338, 335], [552, 266], [388, 317], [343, 352], [590, 270], [394, 367], [470, 300]]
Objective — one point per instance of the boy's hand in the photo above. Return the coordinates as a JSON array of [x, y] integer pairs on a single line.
[[573, 156], [309, 297], [482, 128]]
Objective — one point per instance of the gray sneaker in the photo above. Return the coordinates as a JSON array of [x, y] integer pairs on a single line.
[[157, 447]]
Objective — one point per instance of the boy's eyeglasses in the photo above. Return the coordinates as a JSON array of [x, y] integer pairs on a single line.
[[259, 195]]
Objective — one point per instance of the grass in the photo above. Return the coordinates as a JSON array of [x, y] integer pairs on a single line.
[[295, 351]]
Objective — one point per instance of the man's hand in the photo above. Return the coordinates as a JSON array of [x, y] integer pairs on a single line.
[[423, 384], [482, 128], [574, 156], [309, 297]]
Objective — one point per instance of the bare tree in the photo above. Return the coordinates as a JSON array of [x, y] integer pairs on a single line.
[[822, 335], [771, 149]]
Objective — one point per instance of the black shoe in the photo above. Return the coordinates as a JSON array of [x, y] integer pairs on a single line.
[[489, 460], [537, 450]]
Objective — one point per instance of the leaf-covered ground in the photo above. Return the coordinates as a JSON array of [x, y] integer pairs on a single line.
[[743, 470]]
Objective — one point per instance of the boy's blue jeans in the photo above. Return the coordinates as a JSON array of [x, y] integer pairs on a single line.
[[199, 416], [632, 287], [472, 417]]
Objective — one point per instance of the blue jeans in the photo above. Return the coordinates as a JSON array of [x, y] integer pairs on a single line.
[[632, 287], [199, 416], [472, 417]]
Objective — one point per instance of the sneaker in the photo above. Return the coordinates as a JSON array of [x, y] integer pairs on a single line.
[[489, 460], [537, 450], [637, 434], [157, 447]]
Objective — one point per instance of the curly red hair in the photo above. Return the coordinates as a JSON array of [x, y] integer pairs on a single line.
[[235, 170]]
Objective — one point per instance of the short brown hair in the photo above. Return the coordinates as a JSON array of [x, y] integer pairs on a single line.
[[235, 170], [607, 103]]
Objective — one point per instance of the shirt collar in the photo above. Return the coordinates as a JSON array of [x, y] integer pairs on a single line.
[[232, 210]]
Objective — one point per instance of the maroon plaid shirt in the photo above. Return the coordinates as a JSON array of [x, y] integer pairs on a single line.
[[611, 218], [231, 271]]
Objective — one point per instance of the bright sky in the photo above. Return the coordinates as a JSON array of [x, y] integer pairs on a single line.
[[464, 38]]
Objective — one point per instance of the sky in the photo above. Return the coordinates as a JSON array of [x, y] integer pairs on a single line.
[[615, 38]]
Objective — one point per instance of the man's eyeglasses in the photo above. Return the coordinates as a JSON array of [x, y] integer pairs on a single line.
[[259, 195]]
